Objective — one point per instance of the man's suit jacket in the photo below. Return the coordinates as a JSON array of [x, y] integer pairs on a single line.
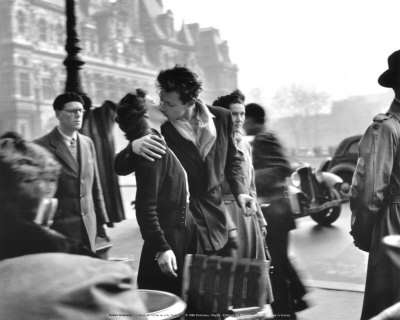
[[80, 199], [204, 176]]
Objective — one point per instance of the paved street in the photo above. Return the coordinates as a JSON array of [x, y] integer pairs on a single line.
[[332, 268], [327, 254]]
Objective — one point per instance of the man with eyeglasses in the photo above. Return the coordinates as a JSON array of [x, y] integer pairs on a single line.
[[81, 212]]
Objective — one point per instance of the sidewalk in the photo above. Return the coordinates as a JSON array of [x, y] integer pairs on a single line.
[[325, 303]]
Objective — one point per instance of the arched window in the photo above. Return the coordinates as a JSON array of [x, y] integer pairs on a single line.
[[60, 32], [42, 30], [21, 22]]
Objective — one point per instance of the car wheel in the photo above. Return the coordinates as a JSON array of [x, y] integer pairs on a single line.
[[327, 217], [346, 176]]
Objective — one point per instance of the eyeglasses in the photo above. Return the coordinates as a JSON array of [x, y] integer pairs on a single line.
[[75, 111]]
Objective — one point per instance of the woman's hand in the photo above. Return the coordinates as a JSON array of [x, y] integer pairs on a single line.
[[167, 263]]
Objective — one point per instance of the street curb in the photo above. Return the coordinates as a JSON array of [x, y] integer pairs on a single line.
[[330, 285]]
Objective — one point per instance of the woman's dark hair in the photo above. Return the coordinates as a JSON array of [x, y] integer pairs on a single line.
[[130, 114], [182, 80], [225, 101]]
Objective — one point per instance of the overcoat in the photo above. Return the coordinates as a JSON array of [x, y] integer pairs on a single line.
[[80, 199], [375, 190], [206, 177], [249, 228], [271, 170], [99, 125]]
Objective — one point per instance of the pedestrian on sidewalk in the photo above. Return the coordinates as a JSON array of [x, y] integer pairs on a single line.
[[161, 204], [252, 229], [81, 213], [375, 194], [271, 170]]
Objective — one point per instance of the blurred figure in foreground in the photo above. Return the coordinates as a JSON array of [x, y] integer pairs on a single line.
[[271, 170], [252, 229], [60, 286], [29, 175], [81, 213], [162, 200], [375, 197]]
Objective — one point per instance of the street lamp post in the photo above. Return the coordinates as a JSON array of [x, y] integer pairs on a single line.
[[73, 64], [73, 61]]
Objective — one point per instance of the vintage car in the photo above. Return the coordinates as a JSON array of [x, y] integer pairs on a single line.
[[344, 160], [312, 192]]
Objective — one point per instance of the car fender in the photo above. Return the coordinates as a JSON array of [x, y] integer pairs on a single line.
[[325, 164], [331, 179]]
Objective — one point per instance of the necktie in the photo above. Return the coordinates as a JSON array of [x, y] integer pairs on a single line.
[[74, 150]]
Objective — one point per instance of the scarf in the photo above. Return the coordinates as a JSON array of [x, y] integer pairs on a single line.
[[200, 129]]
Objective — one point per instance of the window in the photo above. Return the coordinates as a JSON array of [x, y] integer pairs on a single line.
[[99, 87], [60, 34], [112, 93], [353, 148], [21, 22], [47, 89], [61, 86], [25, 84], [42, 30]]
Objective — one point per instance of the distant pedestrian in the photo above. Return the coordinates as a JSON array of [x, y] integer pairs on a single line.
[[375, 197], [271, 170], [252, 229], [81, 213]]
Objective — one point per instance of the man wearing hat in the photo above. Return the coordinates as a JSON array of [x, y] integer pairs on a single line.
[[81, 212], [375, 197]]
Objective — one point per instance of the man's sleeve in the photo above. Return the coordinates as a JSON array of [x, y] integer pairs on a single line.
[[377, 149], [125, 161], [148, 179]]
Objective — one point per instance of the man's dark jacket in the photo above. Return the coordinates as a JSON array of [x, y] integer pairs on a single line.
[[205, 177], [99, 124]]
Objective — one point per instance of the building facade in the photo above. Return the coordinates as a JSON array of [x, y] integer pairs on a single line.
[[124, 45]]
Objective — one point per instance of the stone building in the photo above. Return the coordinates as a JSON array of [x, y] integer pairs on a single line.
[[124, 45]]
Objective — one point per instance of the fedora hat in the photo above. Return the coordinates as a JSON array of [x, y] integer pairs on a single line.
[[391, 77]]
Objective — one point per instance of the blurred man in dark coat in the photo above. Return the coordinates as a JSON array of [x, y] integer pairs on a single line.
[[375, 192], [81, 211], [271, 170], [98, 124]]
